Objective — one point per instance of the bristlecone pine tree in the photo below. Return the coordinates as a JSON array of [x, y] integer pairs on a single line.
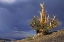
[[44, 23]]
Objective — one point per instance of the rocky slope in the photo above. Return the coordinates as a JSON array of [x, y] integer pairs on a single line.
[[54, 37]]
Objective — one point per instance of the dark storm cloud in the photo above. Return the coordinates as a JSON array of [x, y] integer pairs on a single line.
[[16, 13], [11, 16], [16, 16]]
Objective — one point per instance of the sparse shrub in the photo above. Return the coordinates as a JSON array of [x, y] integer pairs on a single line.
[[29, 38]]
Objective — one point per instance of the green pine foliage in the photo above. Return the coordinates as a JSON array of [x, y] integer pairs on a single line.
[[35, 25]]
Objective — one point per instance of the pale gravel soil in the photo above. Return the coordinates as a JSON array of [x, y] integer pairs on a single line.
[[54, 37]]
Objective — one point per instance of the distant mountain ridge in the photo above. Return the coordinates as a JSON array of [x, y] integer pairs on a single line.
[[3, 39], [8, 39]]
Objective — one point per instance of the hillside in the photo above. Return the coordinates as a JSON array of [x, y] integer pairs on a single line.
[[57, 36]]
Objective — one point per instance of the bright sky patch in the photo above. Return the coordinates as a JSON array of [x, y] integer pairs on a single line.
[[8, 1]]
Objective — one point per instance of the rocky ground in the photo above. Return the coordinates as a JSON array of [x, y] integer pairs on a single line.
[[54, 37]]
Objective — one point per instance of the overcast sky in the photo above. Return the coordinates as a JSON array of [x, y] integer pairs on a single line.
[[15, 15]]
